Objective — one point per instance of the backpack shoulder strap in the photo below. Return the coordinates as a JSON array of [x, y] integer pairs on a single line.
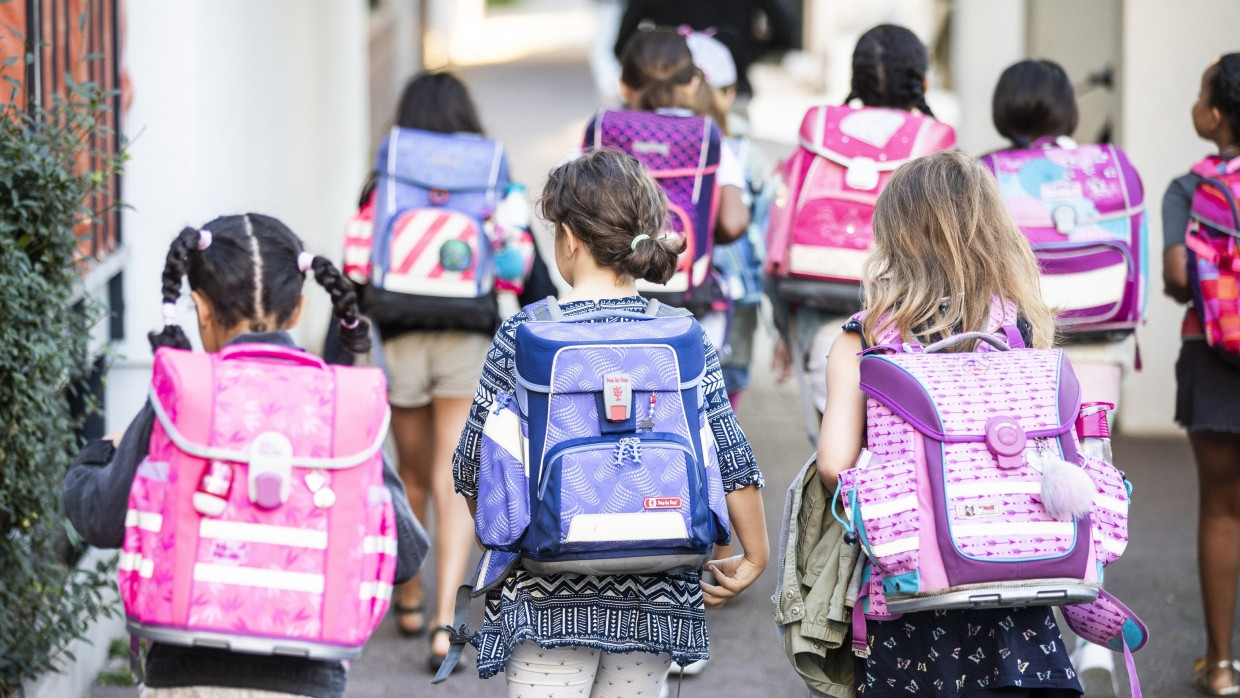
[[545, 310], [656, 309]]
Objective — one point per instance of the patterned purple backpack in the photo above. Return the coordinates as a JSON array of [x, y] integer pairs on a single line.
[[969, 493], [682, 154], [1082, 207], [603, 462]]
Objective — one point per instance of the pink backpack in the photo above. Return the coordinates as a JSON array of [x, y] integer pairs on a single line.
[[1082, 207], [973, 491], [820, 234], [259, 522]]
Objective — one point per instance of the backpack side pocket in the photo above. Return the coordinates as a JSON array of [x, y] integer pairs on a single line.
[[503, 511]]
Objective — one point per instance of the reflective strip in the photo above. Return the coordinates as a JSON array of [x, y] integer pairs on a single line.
[[981, 489], [896, 547], [830, 262], [1086, 289], [379, 544], [895, 506], [375, 590], [1028, 528], [1114, 546], [145, 520], [504, 428], [440, 287], [130, 562], [255, 577], [636, 526], [1118, 506], [262, 533]]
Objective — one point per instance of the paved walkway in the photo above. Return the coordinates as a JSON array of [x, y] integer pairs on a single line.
[[539, 106]]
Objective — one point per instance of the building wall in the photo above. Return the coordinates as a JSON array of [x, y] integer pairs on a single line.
[[1164, 47], [237, 106]]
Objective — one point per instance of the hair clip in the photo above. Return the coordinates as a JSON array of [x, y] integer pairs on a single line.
[[304, 261], [204, 239], [639, 238], [170, 313], [350, 324]]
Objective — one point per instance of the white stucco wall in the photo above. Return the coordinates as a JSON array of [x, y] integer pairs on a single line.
[[238, 105]]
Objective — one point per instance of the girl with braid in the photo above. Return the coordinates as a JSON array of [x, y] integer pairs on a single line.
[[889, 67], [245, 276]]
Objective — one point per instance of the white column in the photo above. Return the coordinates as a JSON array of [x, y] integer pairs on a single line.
[[987, 37], [1165, 48]]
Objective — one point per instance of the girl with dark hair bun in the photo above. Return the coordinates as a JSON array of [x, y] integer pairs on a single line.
[[585, 635], [246, 274], [1208, 390]]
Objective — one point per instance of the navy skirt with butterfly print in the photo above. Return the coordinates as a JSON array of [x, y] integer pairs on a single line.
[[950, 654]]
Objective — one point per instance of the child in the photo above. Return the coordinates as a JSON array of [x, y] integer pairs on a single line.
[[944, 247], [564, 633], [432, 369], [1208, 393], [889, 66], [245, 275], [739, 262]]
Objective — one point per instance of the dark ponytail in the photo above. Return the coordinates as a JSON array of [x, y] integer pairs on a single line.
[[175, 267], [889, 68], [354, 329], [654, 65], [615, 208]]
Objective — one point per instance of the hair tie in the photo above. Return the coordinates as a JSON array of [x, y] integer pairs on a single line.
[[304, 261], [639, 238], [349, 324], [204, 239], [170, 313]]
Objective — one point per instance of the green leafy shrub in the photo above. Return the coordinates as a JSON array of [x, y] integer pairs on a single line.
[[45, 603]]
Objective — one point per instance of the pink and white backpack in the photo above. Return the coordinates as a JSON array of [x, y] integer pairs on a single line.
[[973, 491], [259, 522], [820, 222]]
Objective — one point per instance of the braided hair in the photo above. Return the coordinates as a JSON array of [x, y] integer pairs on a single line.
[[889, 68], [1225, 91], [248, 267]]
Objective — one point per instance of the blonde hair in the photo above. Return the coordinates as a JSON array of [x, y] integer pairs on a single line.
[[944, 246]]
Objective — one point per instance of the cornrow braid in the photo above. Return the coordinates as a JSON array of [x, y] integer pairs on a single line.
[[354, 329], [889, 68], [175, 266]]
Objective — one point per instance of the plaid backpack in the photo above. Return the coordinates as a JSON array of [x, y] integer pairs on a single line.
[[1213, 254]]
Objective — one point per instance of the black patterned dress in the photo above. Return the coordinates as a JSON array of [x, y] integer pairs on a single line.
[[659, 614], [959, 653]]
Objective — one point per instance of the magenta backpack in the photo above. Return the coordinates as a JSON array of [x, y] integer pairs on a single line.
[[259, 522], [972, 491], [820, 222], [1213, 242], [682, 154], [1082, 208]]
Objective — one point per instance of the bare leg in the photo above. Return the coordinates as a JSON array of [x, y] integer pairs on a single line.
[[454, 527], [1218, 541], [411, 430]]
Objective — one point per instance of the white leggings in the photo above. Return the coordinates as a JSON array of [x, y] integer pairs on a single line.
[[573, 672]]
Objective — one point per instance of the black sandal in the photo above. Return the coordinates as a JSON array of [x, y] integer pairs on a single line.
[[405, 611]]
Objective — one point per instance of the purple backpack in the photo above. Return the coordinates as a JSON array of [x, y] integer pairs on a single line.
[[432, 249], [972, 491], [603, 461], [1082, 207], [682, 154]]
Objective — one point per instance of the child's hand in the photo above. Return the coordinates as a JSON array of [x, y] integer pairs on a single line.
[[781, 360], [116, 436], [733, 575]]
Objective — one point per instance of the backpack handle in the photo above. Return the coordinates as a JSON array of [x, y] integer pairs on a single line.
[[955, 339], [271, 351]]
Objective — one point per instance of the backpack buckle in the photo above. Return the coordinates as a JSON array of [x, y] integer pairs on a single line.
[[618, 396], [862, 174], [271, 469], [439, 197]]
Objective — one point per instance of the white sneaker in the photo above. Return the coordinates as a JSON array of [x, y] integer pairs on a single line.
[[689, 669], [1095, 665]]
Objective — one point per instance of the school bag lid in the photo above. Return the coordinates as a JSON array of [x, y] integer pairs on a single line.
[[953, 396], [1056, 183], [669, 145], [189, 389], [450, 162], [877, 138], [1214, 201], [549, 350]]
